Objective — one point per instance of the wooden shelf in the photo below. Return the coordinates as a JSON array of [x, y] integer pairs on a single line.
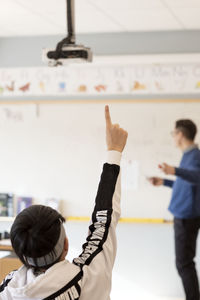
[[6, 248]]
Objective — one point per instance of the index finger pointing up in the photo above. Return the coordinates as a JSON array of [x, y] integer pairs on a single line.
[[107, 116]]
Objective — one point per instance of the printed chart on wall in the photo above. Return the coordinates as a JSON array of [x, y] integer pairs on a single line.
[[102, 79]]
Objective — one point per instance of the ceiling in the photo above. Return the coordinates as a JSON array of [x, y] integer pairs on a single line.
[[47, 17]]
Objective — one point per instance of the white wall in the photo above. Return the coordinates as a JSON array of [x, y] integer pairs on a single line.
[[57, 150]]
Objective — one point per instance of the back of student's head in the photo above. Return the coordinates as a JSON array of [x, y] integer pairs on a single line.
[[187, 127], [35, 233]]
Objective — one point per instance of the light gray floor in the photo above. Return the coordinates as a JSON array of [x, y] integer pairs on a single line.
[[144, 267]]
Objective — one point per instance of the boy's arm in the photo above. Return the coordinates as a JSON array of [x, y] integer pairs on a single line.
[[99, 251], [106, 212]]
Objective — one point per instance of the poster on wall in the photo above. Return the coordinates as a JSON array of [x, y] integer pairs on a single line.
[[101, 79]]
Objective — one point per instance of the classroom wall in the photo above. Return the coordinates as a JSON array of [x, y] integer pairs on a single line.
[[27, 51], [48, 148], [57, 150]]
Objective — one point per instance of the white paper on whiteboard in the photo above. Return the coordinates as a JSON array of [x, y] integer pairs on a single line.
[[130, 174]]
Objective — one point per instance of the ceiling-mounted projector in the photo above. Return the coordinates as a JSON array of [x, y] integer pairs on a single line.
[[66, 50]]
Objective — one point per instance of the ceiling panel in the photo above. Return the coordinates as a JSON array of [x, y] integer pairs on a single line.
[[151, 19], [36, 17], [49, 5], [17, 20], [183, 3], [51, 11], [189, 16], [10, 9], [89, 18], [127, 4]]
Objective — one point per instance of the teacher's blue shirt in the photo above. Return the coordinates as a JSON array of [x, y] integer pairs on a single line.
[[185, 201]]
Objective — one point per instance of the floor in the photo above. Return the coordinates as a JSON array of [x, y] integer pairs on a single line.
[[144, 267]]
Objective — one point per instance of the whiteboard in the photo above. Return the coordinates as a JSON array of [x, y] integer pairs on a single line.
[[57, 150]]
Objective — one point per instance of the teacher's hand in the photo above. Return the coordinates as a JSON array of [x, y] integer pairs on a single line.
[[167, 169], [155, 181]]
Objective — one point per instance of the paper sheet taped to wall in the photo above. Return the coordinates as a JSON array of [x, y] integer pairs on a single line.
[[130, 174]]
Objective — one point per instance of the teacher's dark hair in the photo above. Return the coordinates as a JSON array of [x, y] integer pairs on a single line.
[[35, 232], [188, 128]]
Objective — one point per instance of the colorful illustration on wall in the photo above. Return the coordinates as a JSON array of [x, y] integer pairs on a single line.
[[101, 79], [198, 85], [100, 88], [82, 88], [42, 86], [62, 86], [159, 86], [11, 87], [138, 86], [25, 88]]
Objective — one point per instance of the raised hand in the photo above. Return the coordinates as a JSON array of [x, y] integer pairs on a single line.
[[116, 137]]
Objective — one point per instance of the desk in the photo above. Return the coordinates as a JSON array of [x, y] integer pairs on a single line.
[[8, 260], [8, 264], [6, 248]]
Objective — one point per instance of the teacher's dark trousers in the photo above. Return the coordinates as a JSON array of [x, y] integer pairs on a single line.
[[186, 232]]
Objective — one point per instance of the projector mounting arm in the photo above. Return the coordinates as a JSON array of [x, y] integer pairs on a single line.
[[70, 39], [70, 21], [67, 49]]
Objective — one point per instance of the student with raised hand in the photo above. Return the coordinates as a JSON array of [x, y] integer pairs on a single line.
[[185, 204], [38, 237]]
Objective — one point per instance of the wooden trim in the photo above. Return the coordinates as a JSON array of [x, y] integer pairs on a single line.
[[6, 248], [99, 101]]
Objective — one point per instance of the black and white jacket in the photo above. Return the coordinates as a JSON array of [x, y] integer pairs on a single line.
[[89, 276]]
